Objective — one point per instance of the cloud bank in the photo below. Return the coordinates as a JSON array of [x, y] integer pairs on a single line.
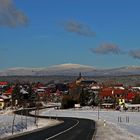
[[78, 28], [107, 49], [135, 53], [10, 15]]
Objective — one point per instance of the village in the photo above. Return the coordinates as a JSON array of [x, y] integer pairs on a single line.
[[81, 92]]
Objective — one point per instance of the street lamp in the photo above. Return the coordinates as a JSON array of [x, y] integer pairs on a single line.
[[99, 100], [99, 103], [98, 107]]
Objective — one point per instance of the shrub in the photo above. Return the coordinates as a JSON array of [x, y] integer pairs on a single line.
[[67, 102]]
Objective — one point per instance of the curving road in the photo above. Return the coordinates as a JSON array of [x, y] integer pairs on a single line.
[[71, 129]]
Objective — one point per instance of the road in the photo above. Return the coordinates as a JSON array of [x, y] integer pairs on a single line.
[[71, 129]]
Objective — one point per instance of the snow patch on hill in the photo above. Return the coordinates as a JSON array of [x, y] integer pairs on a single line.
[[71, 70], [70, 65]]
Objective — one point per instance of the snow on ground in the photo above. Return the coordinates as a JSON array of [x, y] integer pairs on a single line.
[[20, 125], [118, 125], [112, 125]]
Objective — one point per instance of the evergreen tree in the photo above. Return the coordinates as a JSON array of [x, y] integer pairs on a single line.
[[16, 94], [136, 100]]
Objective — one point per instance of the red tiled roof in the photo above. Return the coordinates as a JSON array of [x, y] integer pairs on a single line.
[[111, 92], [9, 91], [130, 96], [3, 83]]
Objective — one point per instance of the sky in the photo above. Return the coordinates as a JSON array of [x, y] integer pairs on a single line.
[[42, 33]]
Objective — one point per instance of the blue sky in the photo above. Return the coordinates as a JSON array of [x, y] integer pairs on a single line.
[[41, 33]]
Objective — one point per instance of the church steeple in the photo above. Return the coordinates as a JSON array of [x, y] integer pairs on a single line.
[[80, 78], [80, 74]]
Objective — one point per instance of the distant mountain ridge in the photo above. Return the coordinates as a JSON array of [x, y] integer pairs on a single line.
[[71, 70]]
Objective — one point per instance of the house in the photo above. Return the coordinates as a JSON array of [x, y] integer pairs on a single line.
[[41, 94], [3, 84], [112, 92], [9, 92], [112, 95], [4, 101]]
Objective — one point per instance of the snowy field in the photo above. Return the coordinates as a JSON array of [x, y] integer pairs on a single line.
[[112, 125], [21, 123]]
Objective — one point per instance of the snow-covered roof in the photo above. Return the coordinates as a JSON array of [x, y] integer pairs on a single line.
[[132, 105], [95, 87], [4, 97], [120, 88], [135, 88], [40, 90], [109, 104]]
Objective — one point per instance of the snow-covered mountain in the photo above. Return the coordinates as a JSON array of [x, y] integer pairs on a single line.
[[71, 69]]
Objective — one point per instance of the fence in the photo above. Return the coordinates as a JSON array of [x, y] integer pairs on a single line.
[[123, 119]]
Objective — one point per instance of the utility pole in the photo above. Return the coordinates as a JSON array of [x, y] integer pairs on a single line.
[[37, 109], [13, 123], [98, 105], [26, 112], [99, 92]]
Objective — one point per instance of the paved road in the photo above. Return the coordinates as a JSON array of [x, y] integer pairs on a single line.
[[71, 129]]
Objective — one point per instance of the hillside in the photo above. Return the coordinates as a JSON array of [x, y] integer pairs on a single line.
[[71, 70]]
